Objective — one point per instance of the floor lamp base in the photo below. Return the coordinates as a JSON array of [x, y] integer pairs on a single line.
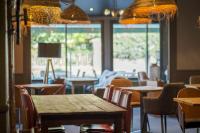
[[49, 64]]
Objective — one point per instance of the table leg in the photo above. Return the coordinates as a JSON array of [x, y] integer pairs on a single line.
[[44, 128], [143, 117], [118, 125]]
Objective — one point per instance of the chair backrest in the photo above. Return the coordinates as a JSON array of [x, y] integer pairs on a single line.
[[189, 111], [54, 90], [108, 93], [121, 82], [125, 99], [169, 92], [194, 79], [125, 102], [29, 110], [142, 78], [59, 81], [116, 95]]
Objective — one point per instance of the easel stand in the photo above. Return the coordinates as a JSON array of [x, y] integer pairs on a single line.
[[49, 64]]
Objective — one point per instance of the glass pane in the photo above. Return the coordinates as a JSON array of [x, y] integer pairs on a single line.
[[47, 34], [84, 49], [154, 51], [154, 43], [129, 48]]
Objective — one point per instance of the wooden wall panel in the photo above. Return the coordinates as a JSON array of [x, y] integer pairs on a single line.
[[184, 44]]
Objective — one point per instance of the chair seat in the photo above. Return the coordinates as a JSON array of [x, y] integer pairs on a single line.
[[99, 128]]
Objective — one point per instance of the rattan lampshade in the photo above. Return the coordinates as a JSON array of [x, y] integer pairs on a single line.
[[74, 14], [129, 17], [43, 14], [160, 8], [43, 11], [55, 3]]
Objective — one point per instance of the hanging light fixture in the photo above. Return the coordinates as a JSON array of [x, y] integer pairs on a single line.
[[74, 14], [42, 11], [114, 12], [130, 17], [156, 9], [43, 14], [52, 3]]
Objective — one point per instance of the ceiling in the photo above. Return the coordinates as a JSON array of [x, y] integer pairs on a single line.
[[99, 5]]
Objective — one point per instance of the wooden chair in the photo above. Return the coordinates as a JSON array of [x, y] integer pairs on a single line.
[[189, 116], [30, 119], [135, 99], [59, 81], [29, 116], [53, 91], [164, 104], [108, 93], [142, 78], [18, 104], [124, 102], [122, 82], [56, 90], [116, 95]]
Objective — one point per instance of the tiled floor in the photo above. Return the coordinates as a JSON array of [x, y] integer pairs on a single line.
[[172, 124]]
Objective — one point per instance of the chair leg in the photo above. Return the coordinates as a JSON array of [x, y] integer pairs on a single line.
[[161, 122], [148, 123], [165, 122], [197, 130], [132, 109]]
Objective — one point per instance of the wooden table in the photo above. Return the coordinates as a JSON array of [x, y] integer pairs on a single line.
[[193, 86], [75, 110], [188, 101], [143, 92], [81, 82], [34, 88]]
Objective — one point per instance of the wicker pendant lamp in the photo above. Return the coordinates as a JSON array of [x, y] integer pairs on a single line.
[[42, 11], [130, 17], [156, 9], [74, 14], [54, 3]]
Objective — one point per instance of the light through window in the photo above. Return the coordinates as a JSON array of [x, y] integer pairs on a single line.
[[135, 47]]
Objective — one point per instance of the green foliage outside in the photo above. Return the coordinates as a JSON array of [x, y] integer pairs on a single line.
[[131, 46]]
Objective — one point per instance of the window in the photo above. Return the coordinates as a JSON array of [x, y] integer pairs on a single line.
[[135, 47], [81, 50], [84, 50], [47, 34]]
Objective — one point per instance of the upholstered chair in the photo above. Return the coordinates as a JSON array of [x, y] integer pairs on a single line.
[[164, 104]]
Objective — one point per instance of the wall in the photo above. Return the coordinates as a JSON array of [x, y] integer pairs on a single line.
[[185, 42], [22, 59]]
